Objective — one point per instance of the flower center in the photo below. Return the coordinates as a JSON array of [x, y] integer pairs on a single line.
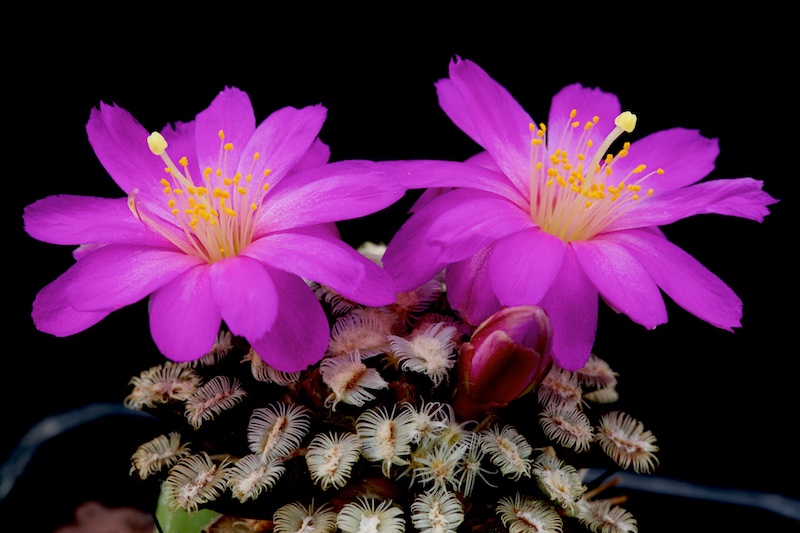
[[574, 200], [218, 217]]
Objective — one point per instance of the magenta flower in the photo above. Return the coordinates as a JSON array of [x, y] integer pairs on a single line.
[[230, 232], [547, 216]]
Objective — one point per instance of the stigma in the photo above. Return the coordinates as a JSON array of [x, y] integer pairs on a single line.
[[216, 213], [574, 193]]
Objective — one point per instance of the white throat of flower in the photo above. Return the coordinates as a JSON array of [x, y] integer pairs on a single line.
[[218, 217], [573, 200]]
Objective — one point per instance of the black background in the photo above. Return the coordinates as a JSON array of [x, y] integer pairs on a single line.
[[722, 405]]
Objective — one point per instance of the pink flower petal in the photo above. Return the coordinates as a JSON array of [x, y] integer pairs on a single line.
[[488, 113], [469, 220], [53, 314], [184, 319], [333, 192], [328, 262], [683, 278], [66, 219], [317, 155], [469, 287], [232, 113], [117, 275], [120, 143], [300, 334], [282, 140], [523, 266], [622, 281], [685, 156], [742, 197], [572, 305], [245, 294], [409, 258], [588, 102]]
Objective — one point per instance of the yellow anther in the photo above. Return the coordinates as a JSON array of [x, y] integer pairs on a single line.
[[171, 203], [639, 169], [256, 156], [575, 124], [635, 197], [167, 189], [532, 126], [183, 162], [201, 191], [567, 166], [573, 113], [253, 207], [267, 172], [207, 172], [536, 142], [218, 172], [164, 182], [167, 170], [242, 190], [174, 211], [588, 204], [589, 143], [227, 181], [625, 120], [649, 192], [588, 126], [609, 159], [542, 127], [178, 191], [221, 135], [266, 186], [581, 157], [561, 181], [191, 190], [549, 183], [157, 143], [660, 171], [228, 147], [608, 171], [539, 165], [595, 119]]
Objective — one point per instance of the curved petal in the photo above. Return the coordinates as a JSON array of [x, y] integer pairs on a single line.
[[572, 304], [740, 197], [524, 265], [53, 314], [622, 281], [409, 258], [281, 141], [328, 193], [487, 112], [117, 275], [587, 102], [318, 155], [469, 289], [299, 336], [685, 156], [67, 219], [232, 114], [120, 143], [181, 142], [426, 174], [469, 220], [328, 262], [184, 319], [245, 294], [691, 285]]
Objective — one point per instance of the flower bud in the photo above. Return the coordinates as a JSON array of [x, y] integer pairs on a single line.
[[507, 356]]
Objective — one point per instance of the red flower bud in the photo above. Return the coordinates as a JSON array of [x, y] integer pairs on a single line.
[[507, 357]]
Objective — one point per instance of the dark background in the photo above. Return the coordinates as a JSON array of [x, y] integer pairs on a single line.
[[722, 405]]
